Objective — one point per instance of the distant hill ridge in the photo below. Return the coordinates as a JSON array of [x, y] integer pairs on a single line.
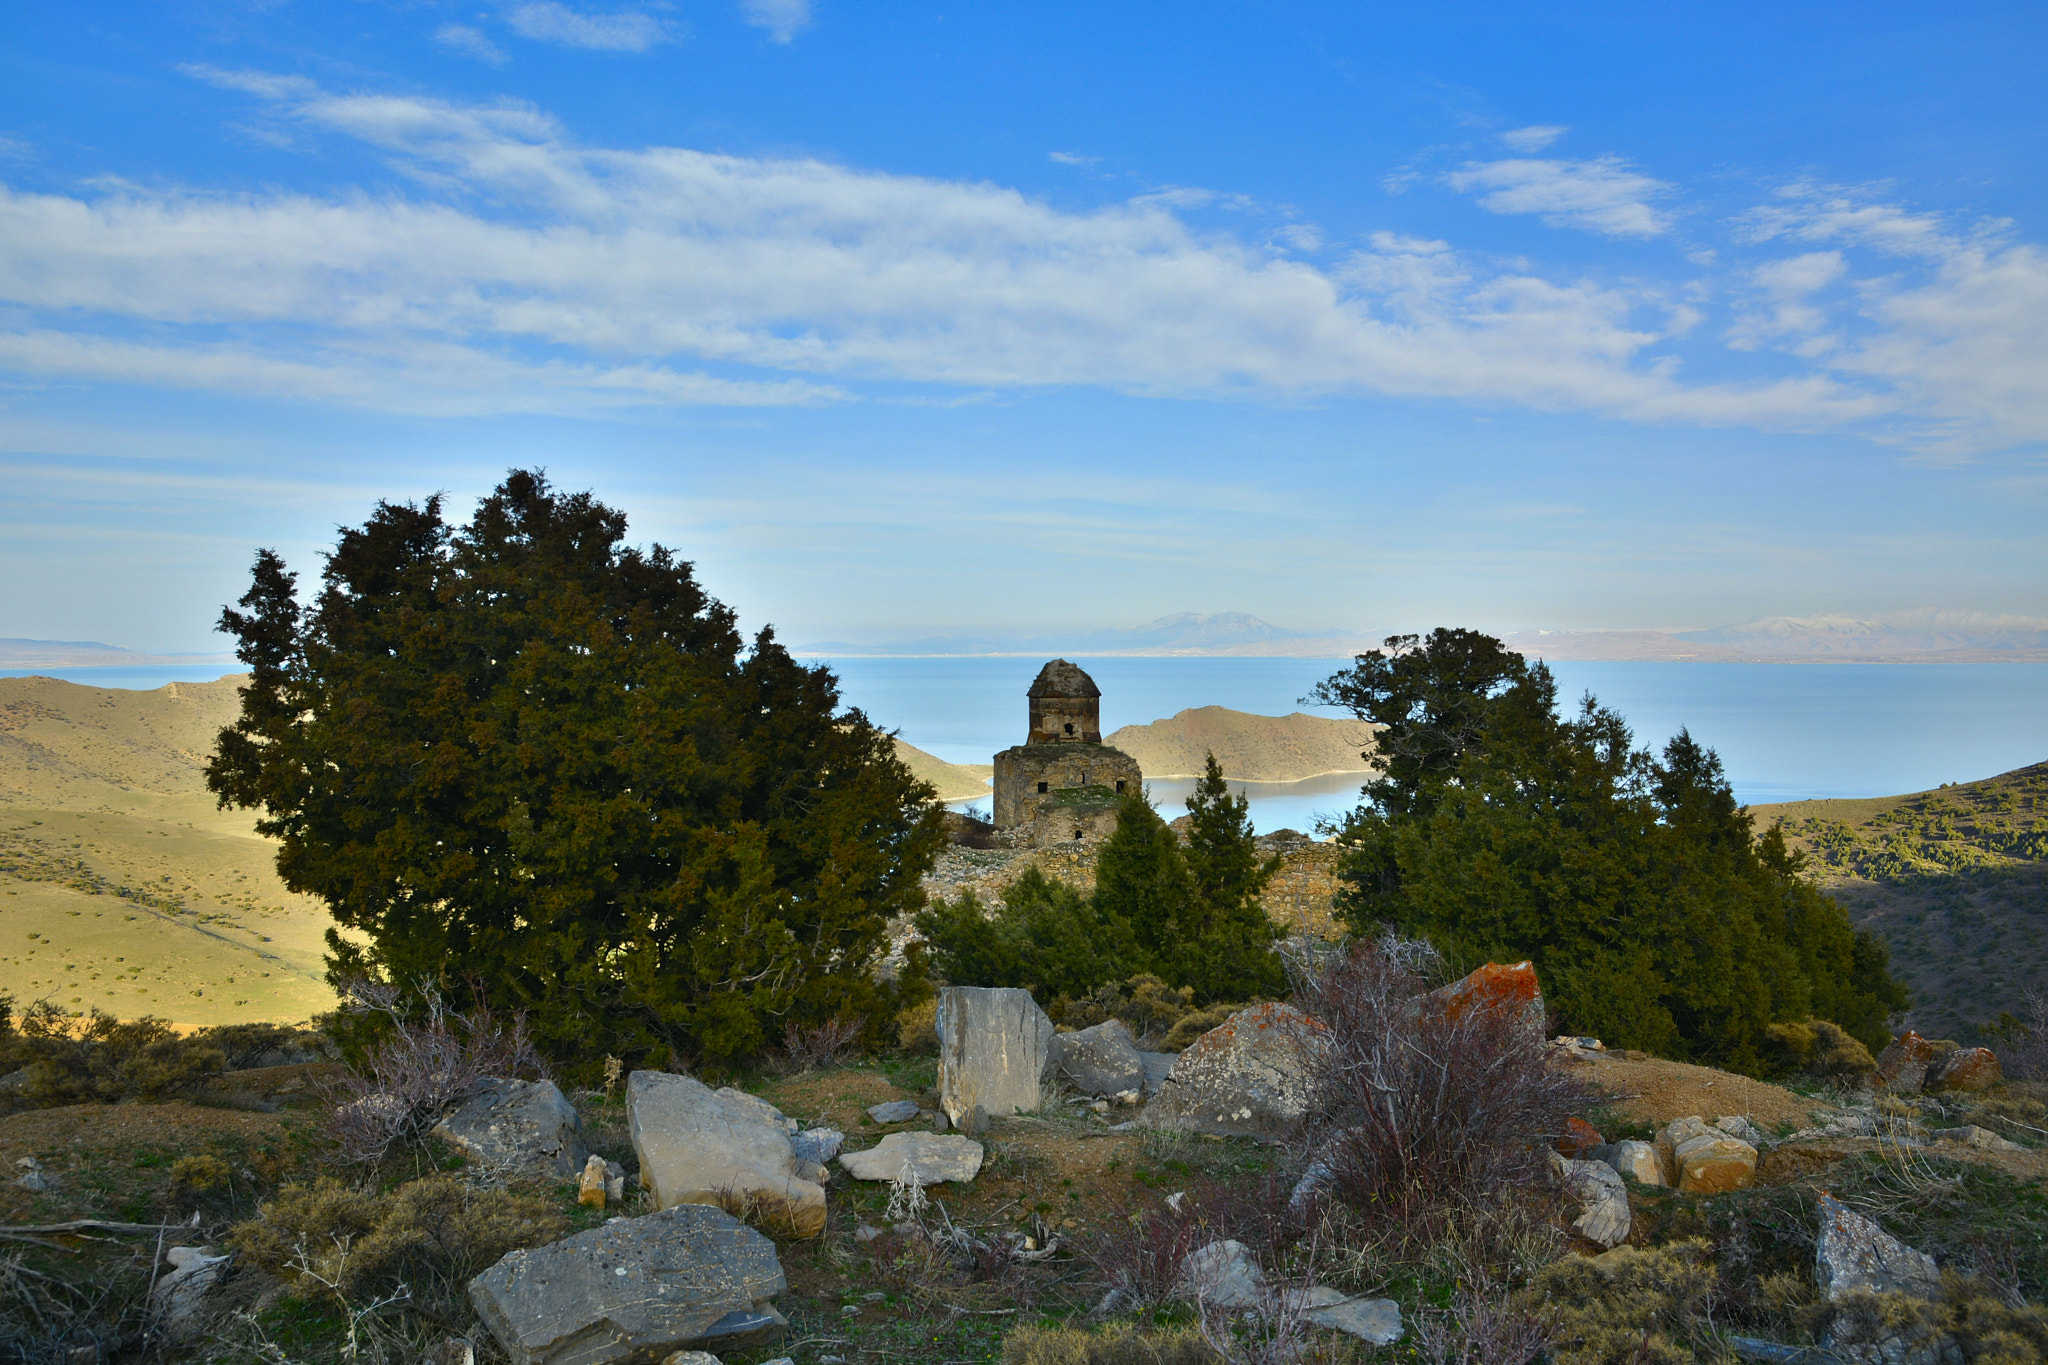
[[1250, 748]]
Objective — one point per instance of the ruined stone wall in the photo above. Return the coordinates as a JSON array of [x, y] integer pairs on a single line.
[[1298, 898], [1086, 775]]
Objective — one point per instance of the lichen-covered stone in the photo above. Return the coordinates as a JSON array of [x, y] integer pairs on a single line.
[[1967, 1068], [894, 1111], [1507, 989], [1852, 1253], [993, 1045], [1634, 1158], [1250, 1076], [1903, 1065], [686, 1278], [1103, 1060], [510, 1125], [702, 1146], [1578, 1139]]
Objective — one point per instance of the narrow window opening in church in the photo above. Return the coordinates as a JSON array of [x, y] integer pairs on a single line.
[[1077, 834], [1044, 787], [1120, 787], [1070, 727]]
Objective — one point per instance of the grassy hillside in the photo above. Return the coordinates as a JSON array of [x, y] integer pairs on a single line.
[[954, 781], [1250, 748], [121, 884], [1955, 880]]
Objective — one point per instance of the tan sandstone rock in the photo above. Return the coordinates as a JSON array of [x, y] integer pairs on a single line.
[[1703, 1159]]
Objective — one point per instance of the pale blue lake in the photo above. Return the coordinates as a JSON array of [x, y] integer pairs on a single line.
[[1785, 731]]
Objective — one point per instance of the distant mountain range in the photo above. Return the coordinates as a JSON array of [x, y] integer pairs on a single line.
[[93, 654], [1903, 637], [1924, 636]]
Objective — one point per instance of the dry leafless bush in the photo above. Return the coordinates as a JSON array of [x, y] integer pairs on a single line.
[[1423, 1107], [821, 1045], [426, 1058], [2023, 1050]]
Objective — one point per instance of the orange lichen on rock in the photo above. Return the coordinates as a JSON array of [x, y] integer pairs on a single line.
[[1578, 1138]]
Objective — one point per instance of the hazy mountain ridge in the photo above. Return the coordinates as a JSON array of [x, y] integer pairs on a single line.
[[20, 653], [1921, 636]]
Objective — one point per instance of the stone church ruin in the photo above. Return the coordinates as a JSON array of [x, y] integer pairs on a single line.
[[1062, 783]]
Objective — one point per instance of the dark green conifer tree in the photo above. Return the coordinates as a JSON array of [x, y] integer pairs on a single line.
[[1501, 830], [522, 758]]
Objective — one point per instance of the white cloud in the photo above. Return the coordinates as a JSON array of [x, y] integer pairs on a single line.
[[525, 270], [1601, 196], [1533, 138], [783, 19], [1071, 158], [548, 21], [470, 42], [1785, 287]]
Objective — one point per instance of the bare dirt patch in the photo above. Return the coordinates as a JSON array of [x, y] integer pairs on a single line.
[[1653, 1091]]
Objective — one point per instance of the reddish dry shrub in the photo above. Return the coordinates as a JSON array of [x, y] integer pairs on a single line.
[[820, 1046], [425, 1058], [1425, 1103]]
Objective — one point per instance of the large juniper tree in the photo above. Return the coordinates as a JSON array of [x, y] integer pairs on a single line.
[[1501, 829], [523, 758]]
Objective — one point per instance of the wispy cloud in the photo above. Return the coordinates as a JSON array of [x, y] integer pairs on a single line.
[[1601, 196], [470, 42], [528, 269], [1533, 138], [548, 21], [783, 19], [1071, 159]]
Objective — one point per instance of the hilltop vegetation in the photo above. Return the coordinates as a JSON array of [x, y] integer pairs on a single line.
[[1250, 748], [1955, 880], [122, 885]]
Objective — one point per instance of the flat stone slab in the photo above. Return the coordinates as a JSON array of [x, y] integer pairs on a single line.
[[683, 1279], [894, 1111], [527, 1126], [1373, 1320], [702, 1146], [927, 1158], [993, 1046]]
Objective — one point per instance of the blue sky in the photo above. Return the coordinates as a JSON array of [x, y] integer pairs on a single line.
[[897, 318]]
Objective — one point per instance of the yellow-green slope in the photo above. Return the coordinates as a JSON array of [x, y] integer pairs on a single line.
[[1251, 748]]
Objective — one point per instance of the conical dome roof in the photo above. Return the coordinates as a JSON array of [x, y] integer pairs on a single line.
[[1062, 679]]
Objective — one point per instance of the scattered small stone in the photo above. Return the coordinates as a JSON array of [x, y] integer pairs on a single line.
[[35, 1182], [1579, 1137], [690, 1358], [176, 1297], [818, 1144], [1972, 1136], [927, 1158], [590, 1189], [1633, 1158], [866, 1232], [1222, 1275], [1102, 1060], [1704, 1159], [895, 1111]]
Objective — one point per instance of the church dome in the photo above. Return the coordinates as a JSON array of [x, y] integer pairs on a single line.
[[1062, 679]]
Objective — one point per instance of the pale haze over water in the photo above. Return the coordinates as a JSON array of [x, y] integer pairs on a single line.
[[1785, 732]]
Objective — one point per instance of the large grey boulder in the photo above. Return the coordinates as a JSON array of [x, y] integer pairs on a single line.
[[1852, 1253], [1103, 1060], [1250, 1076], [1222, 1274], [927, 1158], [635, 1290], [1596, 1190], [993, 1045], [1377, 1321], [702, 1146], [526, 1127]]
